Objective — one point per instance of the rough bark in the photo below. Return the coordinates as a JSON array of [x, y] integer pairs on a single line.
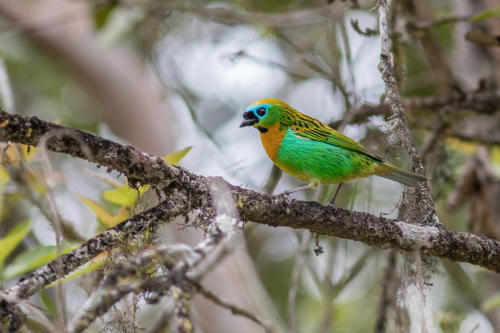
[[187, 192]]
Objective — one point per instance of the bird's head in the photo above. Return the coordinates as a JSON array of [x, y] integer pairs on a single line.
[[262, 114]]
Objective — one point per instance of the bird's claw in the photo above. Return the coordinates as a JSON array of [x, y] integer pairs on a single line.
[[287, 193]]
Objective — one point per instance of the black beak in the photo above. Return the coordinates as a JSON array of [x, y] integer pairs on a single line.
[[249, 118]]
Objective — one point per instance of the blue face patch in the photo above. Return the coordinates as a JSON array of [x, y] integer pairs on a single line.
[[260, 111]]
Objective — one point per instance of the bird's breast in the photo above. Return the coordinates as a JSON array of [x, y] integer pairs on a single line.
[[271, 140]]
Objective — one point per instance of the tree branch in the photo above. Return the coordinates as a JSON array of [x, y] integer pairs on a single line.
[[386, 300], [479, 101], [236, 310], [482, 128], [107, 240], [483, 102], [231, 15], [111, 291], [189, 192], [417, 204]]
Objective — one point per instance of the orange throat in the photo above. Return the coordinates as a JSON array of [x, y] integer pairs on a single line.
[[271, 140]]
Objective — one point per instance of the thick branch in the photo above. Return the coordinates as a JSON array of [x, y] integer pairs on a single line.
[[481, 128], [195, 191], [391, 88], [417, 205], [105, 241], [479, 101], [486, 102]]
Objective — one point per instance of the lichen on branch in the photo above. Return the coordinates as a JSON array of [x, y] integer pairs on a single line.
[[187, 191]]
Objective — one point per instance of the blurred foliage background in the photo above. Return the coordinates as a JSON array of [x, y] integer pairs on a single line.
[[164, 75]]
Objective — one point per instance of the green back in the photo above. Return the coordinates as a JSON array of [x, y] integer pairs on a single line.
[[313, 129]]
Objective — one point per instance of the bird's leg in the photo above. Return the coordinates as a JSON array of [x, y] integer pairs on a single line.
[[332, 202], [300, 188], [312, 184]]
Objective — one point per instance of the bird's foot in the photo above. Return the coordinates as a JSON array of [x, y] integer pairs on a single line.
[[332, 201], [286, 195], [312, 184], [293, 190]]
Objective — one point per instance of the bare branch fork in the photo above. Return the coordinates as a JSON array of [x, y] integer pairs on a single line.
[[481, 127], [173, 280], [187, 192]]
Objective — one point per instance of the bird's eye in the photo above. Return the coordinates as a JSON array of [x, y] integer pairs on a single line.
[[261, 112]]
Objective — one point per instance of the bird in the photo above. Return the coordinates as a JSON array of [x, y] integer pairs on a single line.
[[312, 151]]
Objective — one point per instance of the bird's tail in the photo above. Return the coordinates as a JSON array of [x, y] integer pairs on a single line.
[[400, 175]]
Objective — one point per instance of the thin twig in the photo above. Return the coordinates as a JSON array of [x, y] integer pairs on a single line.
[[297, 268], [419, 284], [107, 240], [230, 15], [423, 25], [330, 290], [437, 130], [16, 303], [18, 175], [387, 295], [272, 180], [232, 307], [366, 32], [233, 57], [353, 272], [57, 226], [103, 299], [480, 128], [348, 57], [334, 67], [484, 102], [6, 92]]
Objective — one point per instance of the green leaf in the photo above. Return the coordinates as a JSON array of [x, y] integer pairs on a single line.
[[4, 176], [127, 196], [31, 259], [102, 12], [102, 215], [90, 266], [490, 13], [49, 306], [176, 157], [123, 196], [12, 239], [491, 303]]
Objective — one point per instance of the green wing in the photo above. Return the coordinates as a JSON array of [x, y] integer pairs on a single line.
[[313, 129]]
